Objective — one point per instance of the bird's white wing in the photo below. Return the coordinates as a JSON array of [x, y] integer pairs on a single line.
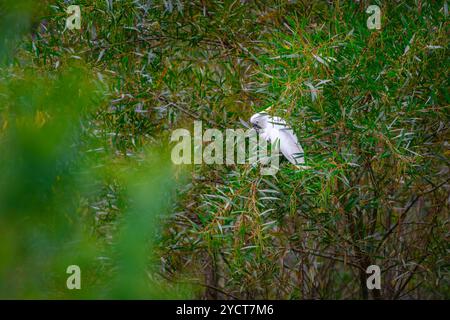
[[271, 131], [276, 130], [290, 147], [277, 123]]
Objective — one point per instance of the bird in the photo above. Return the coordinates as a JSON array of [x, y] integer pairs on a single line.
[[274, 129]]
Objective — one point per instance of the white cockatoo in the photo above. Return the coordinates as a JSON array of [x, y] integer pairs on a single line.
[[274, 129]]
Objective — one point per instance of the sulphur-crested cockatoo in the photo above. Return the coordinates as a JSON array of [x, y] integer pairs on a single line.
[[275, 129]]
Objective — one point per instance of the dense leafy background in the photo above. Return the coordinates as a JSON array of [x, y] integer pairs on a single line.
[[86, 116]]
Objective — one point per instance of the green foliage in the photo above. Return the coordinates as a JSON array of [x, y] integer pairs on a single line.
[[49, 178], [82, 182]]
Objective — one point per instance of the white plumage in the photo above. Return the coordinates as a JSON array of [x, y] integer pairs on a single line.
[[275, 129]]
